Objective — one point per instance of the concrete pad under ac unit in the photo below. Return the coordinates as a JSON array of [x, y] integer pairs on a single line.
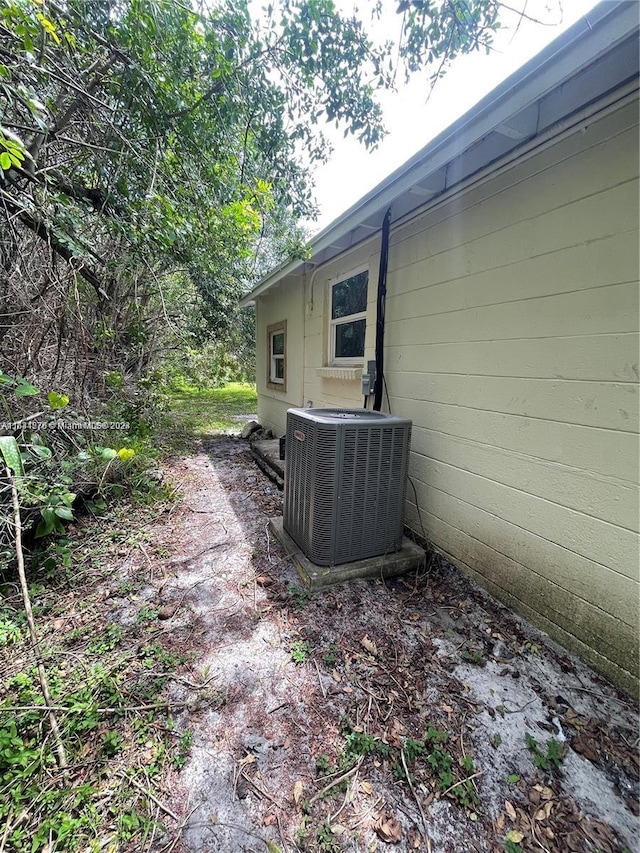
[[408, 558]]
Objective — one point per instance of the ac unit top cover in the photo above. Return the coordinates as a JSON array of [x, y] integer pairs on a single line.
[[363, 417]]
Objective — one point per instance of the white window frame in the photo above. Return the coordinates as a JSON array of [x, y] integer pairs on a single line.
[[348, 318], [273, 381]]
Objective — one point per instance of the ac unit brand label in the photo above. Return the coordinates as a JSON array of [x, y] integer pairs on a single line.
[[299, 435]]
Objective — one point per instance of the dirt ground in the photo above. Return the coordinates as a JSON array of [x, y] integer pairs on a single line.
[[417, 714]]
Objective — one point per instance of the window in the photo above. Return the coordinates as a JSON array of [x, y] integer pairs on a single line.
[[348, 318], [277, 356]]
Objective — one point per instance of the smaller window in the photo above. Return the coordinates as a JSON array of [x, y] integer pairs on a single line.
[[277, 356], [348, 318]]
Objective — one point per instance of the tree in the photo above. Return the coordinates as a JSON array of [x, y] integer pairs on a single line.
[[143, 137]]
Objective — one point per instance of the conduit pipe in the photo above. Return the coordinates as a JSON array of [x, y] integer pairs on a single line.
[[380, 307]]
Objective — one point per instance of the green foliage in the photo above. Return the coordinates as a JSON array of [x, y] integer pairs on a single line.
[[323, 765], [300, 595], [107, 640], [357, 744], [11, 454], [548, 758], [184, 748], [174, 171], [331, 657], [429, 753], [57, 401], [475, 657], [51, 465], [155, 653], [9, 632], [325, 839], [300, 651], [111, 743]]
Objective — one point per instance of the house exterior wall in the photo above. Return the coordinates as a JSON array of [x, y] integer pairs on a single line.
[[511, 341], [282, 304]]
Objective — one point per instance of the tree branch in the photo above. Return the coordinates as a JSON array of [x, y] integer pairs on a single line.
[[46, 233]]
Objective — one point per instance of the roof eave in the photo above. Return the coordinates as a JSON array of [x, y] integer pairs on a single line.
[[595, 34]]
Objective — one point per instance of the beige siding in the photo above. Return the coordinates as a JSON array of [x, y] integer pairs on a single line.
[[285, 302], [512, 343], [512, 322], [335, 392]]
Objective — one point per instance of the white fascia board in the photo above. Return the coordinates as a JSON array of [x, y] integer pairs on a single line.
[[595, 34], [285, 269]]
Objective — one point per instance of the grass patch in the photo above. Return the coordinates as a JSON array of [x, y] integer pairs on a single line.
[[107, 678], [199, 412]]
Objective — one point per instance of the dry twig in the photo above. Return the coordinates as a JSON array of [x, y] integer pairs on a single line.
[[150, 795], [462, 781], [337, 781], [415, 796]]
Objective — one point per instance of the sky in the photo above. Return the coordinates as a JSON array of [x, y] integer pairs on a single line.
[[413, 118]]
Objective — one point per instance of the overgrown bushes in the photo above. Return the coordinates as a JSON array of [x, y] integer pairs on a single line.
[[64, 460]]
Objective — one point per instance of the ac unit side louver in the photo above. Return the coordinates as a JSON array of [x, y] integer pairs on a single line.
[[345, 480]]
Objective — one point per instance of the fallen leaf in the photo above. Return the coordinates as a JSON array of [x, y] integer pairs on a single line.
[[514, 836], [534, 796], [297, 792], [336, 675], [366, 788], [388, 828], [547, 794], [398, 728], [338, 829], [545, 811], [499, 823], [510, 809], [369, 645], [248, 759], [264, 580], [269, 819], [414, 839]]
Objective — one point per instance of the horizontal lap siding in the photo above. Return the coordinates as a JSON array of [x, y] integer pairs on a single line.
[[283, 303], [319, 390], [512, 343]]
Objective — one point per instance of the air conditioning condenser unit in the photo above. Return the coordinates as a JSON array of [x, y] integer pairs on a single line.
[[345, 481]]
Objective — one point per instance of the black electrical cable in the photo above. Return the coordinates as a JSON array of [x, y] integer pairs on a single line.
[[386, 391], [380, 302], [411, 483], [415, 495]]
